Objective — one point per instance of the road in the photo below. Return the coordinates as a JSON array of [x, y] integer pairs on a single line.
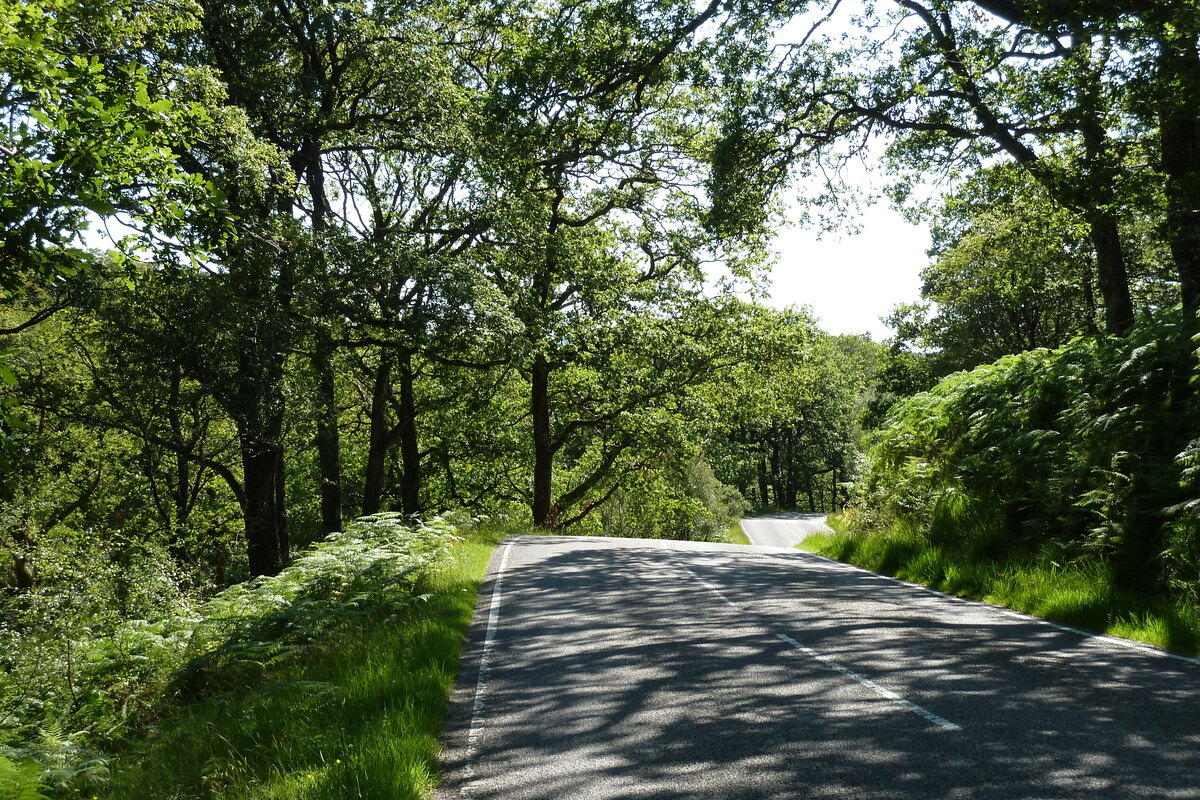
[[608, 668], [783, 528]]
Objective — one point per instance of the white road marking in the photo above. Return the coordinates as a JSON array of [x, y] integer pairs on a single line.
[[481, 685], [1127, 644], [712, 589], [882, 691]]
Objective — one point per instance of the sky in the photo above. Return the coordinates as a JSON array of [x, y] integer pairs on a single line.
[[850, 280]]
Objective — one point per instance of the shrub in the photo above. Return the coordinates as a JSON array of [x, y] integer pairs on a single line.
[[68, 667], [1092, 449]]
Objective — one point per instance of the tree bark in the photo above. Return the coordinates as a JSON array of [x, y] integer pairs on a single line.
[[543, 447], [1179, 139], [266, 521], [378, 443], [776, 474], [406, 434], [328, 443], [1111, 275], [762, 479]]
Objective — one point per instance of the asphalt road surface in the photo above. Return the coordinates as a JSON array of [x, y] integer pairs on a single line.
[[607, 668], [783, 528]]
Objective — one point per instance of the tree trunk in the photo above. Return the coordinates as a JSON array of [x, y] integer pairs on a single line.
[[543, 448], [1179, 138], [790, 468], [1112, 277], [406, 433], [378, 442], [22, 574], [266, 522], [762, 479], [776, 476], [328, 445], [181, 491]]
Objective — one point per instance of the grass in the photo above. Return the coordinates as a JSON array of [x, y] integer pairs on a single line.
[[737, 535], [1079, 593], [358, 717]]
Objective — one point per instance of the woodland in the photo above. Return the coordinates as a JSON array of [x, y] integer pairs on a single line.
[[293, 290]]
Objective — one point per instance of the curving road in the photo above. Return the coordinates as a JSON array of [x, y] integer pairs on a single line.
[[608, 668], [784, 528]]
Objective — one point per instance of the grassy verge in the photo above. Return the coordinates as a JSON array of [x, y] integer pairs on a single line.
[[355, 717], [1079, 593], [737, 535]]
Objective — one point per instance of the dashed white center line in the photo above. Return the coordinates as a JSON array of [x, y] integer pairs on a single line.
[[712, 589], [882, 691]]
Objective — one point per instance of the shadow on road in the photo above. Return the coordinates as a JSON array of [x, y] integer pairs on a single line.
[[617, 674]]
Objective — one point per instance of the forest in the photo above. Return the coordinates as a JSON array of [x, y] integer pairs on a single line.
[[297, 295]]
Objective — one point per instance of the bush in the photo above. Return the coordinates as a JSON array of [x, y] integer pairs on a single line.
[[1090, 450], [74, 682]]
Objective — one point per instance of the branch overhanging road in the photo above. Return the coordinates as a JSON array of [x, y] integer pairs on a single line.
[[610, 668]]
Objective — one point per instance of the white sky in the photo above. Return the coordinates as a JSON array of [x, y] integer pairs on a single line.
[[850, 280]]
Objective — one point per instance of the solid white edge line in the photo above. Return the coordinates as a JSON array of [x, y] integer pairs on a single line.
[[481, 684], [1128, 644], [882, 691]]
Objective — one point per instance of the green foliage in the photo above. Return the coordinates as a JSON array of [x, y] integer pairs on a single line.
[[1013, 271], [973, 563], [20, 780], [71, 664], [356, 714], [784, 429], [694, 506], [1084, 450]]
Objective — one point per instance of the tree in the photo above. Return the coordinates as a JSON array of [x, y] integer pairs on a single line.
[[788, 414], [87, 131], [1162, 88], [953, 88], [596, 162], [1013, 271]]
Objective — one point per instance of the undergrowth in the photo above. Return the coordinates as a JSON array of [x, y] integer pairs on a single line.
[[1079, 592], [1064, 483], [327, 680], [736, 535]]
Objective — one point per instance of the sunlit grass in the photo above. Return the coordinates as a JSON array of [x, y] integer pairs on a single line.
[[737, 535], [1080, 593], [358, 717]]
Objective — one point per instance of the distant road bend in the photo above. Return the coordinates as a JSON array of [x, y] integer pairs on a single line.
[[609, 668], [784, 528]]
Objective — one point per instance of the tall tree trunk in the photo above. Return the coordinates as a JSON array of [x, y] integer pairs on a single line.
[[378, 443], [543, 446], [1179, 138], [790, 470], [406, 434], [1112, 277], [1089, 300], [328, 444], [776, 474], [266, 521], [762, 479]]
